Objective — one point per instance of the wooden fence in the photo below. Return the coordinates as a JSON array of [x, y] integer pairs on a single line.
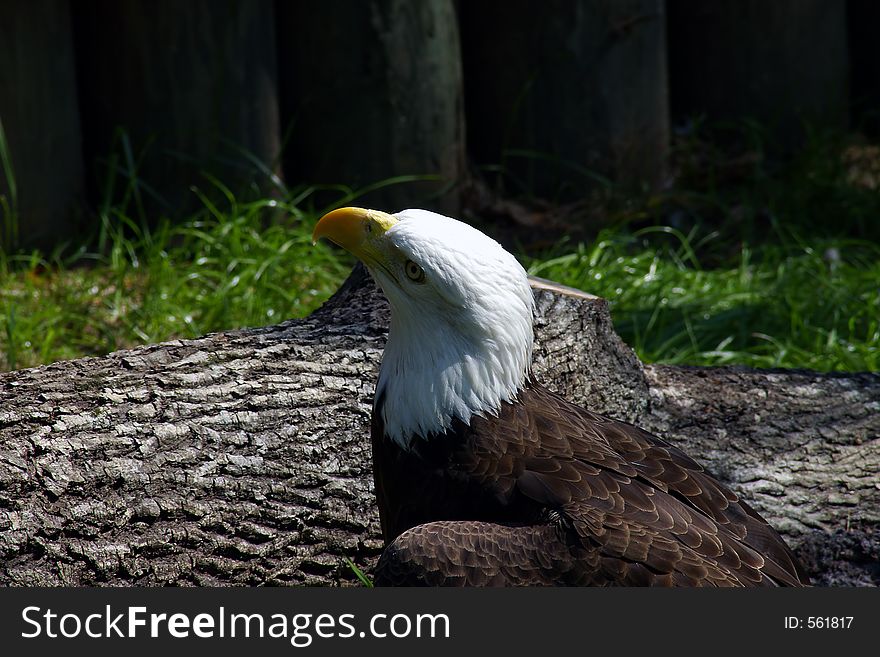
[[558, 93]]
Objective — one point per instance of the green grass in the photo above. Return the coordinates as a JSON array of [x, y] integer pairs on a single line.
[[791, 303], [740, 262], [241, 260], [235, 265], [362, 578], [770, 264], [8, 201]]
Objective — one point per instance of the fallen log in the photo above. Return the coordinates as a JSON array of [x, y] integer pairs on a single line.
[[243, 458]]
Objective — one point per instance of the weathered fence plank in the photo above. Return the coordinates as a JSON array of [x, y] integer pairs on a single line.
[[192, 83], [864, 47], [559, 90], [781, 63], [40, 118], [373, 90]]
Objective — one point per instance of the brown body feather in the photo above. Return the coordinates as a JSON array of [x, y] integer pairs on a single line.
[[548, 493]]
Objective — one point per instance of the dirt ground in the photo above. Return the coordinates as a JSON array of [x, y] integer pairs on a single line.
[[846, 559]]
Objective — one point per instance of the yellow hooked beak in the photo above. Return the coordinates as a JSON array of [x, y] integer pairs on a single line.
[[355, 230]]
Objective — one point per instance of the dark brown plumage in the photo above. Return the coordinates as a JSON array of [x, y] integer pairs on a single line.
[[548, 493]]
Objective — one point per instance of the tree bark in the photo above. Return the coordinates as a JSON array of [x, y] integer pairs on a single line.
[[803, 448], [244, 457]]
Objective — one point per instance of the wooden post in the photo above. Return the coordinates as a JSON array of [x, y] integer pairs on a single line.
[[562, 91], [192, 83], [782, 63], [371, 90], [864, 48], [40, 119]]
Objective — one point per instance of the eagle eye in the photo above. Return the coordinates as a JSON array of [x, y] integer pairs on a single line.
[[413, 272]]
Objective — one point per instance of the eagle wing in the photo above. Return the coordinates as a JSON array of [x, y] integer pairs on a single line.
[[619, 507], [474, 553], [630, 489]]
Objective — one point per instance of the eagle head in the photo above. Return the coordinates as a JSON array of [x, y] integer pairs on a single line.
[[460, 341]]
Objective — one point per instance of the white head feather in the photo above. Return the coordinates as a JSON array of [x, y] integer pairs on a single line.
[[460, 342]]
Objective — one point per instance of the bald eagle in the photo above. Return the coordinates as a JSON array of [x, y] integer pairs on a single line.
[[485, 478]]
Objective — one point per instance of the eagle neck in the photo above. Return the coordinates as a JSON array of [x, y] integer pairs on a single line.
[[433, 373]]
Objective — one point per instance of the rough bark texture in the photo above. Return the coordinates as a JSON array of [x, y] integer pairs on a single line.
[[803, 448], [243, 457]]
